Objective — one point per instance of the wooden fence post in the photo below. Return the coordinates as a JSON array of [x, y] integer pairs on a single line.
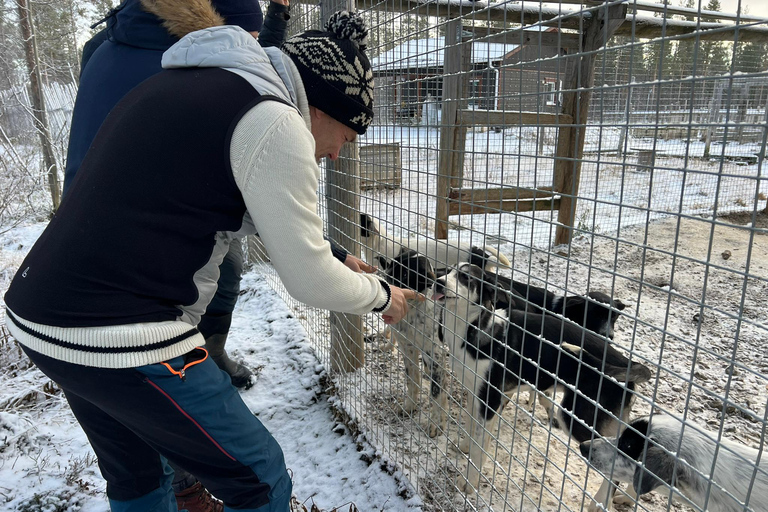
[[456, 62], [578, 85], [342, 179]]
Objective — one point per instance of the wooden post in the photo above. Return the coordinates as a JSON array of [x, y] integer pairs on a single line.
[[342, 191], [40, 115], [448, 160], [578, 85], [624, 131], [714, 115]]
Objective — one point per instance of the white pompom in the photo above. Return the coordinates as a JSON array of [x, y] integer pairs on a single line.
[[348, 25]]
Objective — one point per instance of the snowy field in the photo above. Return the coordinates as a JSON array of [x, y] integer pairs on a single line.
[[696, 318]]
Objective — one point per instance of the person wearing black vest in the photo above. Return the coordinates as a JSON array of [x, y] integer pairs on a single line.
[[223, 143], [125, 53]]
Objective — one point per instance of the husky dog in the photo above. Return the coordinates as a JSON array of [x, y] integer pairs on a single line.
[[380, 249], [498, 353], [415, 336], [662, 451], [596, 311]]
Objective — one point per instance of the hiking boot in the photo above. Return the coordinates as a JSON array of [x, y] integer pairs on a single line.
[[198, 499], [240, 375]]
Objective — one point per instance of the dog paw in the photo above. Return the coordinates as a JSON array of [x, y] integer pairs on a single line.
[[623, 499], [464, 444], [467, 487], [597, 507], [409, 406], [434, 430]]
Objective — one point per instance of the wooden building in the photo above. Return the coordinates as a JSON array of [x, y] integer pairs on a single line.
[[503, 76]]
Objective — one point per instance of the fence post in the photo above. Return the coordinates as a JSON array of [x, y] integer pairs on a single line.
[[451, 158], [570, 141], [343, 199], [714, 115]]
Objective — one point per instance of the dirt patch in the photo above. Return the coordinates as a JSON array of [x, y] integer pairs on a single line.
[[695, 317], [745, 218]]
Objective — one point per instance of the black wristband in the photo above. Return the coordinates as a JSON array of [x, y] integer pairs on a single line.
[[389, 298]]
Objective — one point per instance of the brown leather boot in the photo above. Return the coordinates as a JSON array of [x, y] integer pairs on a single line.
[[198, 499]]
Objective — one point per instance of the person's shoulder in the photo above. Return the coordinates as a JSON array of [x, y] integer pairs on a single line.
[[273, 111]]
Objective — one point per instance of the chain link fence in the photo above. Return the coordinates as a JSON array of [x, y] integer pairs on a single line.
[[612, 147]]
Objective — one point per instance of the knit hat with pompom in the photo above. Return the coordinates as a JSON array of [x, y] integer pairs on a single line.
[[336, 73]]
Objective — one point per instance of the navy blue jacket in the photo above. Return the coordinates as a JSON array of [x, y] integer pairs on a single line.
[[129, 54]]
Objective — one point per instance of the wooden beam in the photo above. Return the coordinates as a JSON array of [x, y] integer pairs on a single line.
[[509, 118], [557, 39], [674, 10], [576, 97], [507, 205], [649, 27], [489, 195], [452, 95], [529, 13]]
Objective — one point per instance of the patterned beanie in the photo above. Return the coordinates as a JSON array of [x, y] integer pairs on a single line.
[[336, 73]]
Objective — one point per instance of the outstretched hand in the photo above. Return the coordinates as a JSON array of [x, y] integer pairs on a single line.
[[399, 307], [358, 265]]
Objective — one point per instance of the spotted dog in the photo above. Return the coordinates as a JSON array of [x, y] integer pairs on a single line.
[[499, 352], [380, 248], [596, 311], [661, 451], [415, 336]]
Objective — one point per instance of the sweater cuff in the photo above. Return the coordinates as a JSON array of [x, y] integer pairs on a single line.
[[388, 303]]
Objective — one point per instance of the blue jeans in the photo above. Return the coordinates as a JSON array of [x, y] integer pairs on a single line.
[[184, 410]]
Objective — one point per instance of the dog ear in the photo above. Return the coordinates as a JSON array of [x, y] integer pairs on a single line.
[[638, 373], [479, 257], [619, 305], [495, 292], [658, 470], [574, 308], [365, 225], [368, 226]]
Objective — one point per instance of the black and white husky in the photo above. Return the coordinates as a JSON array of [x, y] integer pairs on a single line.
[[662, 451], [415, 337], [379, 248], [595, 311], [498, 353]]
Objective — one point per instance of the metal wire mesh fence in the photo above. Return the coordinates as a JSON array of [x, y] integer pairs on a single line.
[[612, 147]]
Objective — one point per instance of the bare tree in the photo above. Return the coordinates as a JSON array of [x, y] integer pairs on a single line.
[[38, 102]]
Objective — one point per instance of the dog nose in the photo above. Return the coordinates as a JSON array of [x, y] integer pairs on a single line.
[[584, 449]]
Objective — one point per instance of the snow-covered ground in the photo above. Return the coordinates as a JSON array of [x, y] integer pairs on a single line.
[[47, 465]]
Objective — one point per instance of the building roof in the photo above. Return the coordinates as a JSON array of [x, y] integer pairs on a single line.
[[424, 53]]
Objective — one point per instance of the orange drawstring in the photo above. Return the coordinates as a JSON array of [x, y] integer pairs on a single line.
[[182, 373]]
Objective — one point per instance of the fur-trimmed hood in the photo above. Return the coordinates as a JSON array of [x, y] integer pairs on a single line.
[[182, 17], [157, 24]]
